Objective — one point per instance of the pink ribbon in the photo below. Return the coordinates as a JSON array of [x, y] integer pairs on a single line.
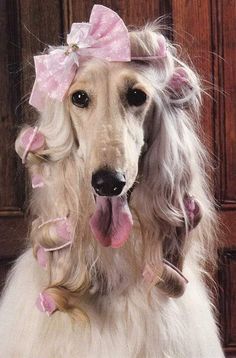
[[105, 37]]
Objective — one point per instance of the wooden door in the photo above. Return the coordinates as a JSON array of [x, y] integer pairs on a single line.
[[207, 31]]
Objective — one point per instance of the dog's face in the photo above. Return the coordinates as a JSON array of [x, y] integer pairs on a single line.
[[108, 103]]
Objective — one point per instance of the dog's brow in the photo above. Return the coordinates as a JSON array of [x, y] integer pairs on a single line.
[[87, 77], [129, 81], [79, 84]]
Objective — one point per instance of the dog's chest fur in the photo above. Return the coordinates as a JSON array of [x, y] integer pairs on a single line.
[[130, 324]]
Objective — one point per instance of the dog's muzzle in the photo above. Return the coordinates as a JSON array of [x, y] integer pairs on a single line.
[[111, 222]]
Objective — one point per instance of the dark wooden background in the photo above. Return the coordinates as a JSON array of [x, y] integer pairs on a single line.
[[207, 31]]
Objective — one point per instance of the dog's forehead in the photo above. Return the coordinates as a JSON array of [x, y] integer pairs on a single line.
[[99, 71]]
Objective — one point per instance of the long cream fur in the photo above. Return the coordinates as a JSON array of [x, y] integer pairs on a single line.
[[105, 307]]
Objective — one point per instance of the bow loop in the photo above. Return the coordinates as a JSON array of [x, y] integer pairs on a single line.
[[111, 35], [54, 74], [79, 35], [105, 36]]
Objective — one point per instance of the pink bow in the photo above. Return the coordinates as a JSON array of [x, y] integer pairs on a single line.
[[105, 36]]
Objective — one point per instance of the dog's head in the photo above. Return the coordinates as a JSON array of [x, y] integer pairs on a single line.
[[130, 124], [124, 137], [108, 104]]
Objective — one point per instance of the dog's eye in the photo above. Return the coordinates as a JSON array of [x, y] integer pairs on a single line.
[[80, 99], [136, 97]]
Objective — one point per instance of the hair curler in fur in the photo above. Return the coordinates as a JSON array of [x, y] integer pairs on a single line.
[[59, 230], [161, 51], [193, 211], [37, 181], [183, 88], [58, 298], [45, 303], [169, 279], [179, 79], [173, 282], [42, 257], [30, 140]]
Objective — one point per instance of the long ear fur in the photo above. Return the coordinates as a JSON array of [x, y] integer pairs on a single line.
[[59, 197], [173, 166]]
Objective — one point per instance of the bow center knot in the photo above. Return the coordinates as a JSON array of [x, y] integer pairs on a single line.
[[71, 48]]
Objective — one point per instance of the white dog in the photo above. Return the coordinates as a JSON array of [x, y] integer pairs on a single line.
[[123, 222]]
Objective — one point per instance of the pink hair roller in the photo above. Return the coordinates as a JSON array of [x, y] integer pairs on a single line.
[[45, 303], [64, 230], [160, 53], [42, 257], [178, 79], [31, 140], [37, 181], [193, 211]]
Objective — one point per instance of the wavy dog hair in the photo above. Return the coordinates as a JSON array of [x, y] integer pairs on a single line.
[[172, 165]]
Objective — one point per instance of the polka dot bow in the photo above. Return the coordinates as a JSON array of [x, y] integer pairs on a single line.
[[105, 36]]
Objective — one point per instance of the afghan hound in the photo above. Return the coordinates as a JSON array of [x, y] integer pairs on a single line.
[[123, 228]]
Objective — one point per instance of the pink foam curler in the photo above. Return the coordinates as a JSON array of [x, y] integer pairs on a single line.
[[175, 269], [178, 79], [31, 140], [45, 303], [42, 257], [148, 274], [160, 53], [193, 211], [64, 230], [37, 181], [51, 221]]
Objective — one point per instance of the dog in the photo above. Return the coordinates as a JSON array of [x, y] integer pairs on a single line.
[[123, 225]]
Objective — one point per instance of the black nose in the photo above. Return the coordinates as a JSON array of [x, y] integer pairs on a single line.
[[108, 183]]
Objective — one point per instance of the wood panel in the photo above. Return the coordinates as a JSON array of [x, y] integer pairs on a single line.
[[224, 95], [133, 13], [42, 24], [13, 232], [224, 74], [5, 265], [228, 300], [192, 30], [228, 11], [26, 27], [228, 223], [11, 174]]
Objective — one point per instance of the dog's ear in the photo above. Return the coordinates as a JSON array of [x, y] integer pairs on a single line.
[[173, 156], [172, 166], [55, 126]]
